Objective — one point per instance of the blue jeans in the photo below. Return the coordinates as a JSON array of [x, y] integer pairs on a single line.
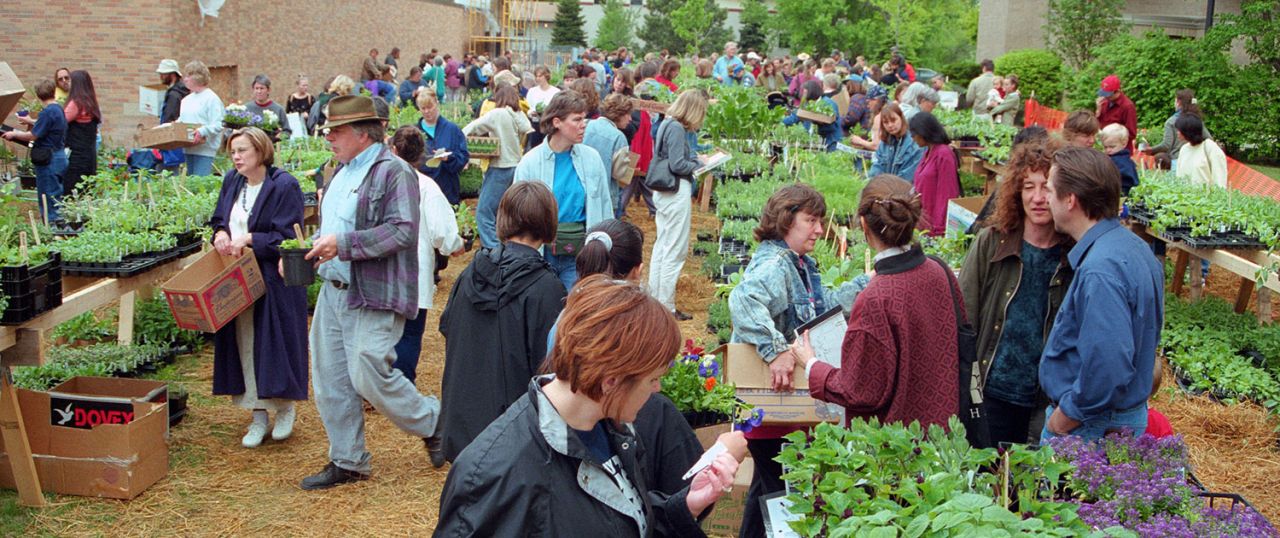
[[565, 268], [1134, 419], [409, 348], [49, 183], [199, 165], [496, 182]]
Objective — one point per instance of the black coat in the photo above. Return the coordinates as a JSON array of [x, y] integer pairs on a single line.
[[173, 102], [495, 328], [670, 444], [280, 316], [511, 482]]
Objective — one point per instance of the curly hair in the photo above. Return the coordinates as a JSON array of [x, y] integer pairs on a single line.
[[1035, 156]]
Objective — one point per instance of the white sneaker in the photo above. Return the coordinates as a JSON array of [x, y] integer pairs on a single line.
[[284, 424], [257, 430]]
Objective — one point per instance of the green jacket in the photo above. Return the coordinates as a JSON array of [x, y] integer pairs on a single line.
[[989, 278]]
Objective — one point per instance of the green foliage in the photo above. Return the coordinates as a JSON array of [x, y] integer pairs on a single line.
[[660, 27], [1259, 25], [739, 113], [719, 320], [754, 33], [469, 181], [961, 72], [153, 324], [1040, 73], [927, 32], [950, 247], [894, 480], [694, 383], [1241, 105], [567, 28], [1076, 28], [86, 327], [1206, 209], [693, 21], [295, 244], [616, 26], [1203, 341], [466, 220], [99, 360]]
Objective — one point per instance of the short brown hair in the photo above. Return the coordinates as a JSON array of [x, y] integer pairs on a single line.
[[891, 208], [507, 96], [408, 143], [669, 69], [611, 329], [780, 211], [1081, 122], [616, 107], [1091, 177], [564, 104], [586, 87], [259, 140], [1027, 158], [45, 89], [527, 208]]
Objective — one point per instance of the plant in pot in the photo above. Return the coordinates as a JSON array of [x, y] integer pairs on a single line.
[[466, 225], [693, 383], [298, 271]]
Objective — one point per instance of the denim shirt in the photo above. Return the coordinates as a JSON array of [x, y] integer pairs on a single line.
[[339, 206], [1118, 291], [899, 157], [772, 299], [540, 165]]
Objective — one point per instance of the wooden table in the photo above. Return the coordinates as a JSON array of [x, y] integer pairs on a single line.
[[995, 172], [24, 345], [1241, 262]]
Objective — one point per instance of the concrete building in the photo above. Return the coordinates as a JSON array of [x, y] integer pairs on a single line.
[[120, 43], [1005, 25]]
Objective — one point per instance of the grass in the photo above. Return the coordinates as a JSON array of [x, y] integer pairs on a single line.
[[1271, 171]]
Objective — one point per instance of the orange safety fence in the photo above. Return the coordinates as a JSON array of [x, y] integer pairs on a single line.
[[1239, 175]]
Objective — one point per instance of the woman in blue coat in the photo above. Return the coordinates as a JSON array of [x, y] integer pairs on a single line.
[[898, 154], [260, 358], [442, 134]]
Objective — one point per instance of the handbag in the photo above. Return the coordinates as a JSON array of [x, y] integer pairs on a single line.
[[41, 156], [970, 372], [659, 177], [569, 238]]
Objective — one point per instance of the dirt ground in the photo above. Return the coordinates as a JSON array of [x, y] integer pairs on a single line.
[[217, 488]]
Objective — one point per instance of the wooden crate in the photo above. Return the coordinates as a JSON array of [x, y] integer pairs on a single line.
[[488, 154]]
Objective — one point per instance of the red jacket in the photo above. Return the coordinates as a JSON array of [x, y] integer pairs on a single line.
[[899, 360], [1123, 112]]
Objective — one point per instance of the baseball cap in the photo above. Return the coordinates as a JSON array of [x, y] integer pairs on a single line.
[[168, 66], [803, 56], [753, 56], [1110, 85], [855, 77]]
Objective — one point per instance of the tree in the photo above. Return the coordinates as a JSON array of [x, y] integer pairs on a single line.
[[1258, 24], [755, 23], [691, 22], [615, 26], [568, 25], [659, 31], [926, 32], [1076, 28]]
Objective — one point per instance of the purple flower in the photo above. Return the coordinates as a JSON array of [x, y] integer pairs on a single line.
[[709, 368]]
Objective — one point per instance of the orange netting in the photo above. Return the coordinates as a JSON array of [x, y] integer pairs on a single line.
[[1239, 175]]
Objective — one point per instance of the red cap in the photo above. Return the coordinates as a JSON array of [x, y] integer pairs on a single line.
[[1110, 85]]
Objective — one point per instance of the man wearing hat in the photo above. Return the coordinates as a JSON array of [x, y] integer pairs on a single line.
[[170, 76], [740, 77], [1115, 107], [366, 252]]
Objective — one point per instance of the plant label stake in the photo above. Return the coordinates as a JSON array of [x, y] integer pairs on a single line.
[[297, 231], [866, 260], [44, 215], [22, 246], [31, 216]]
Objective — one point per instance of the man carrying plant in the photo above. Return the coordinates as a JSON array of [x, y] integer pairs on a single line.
[[725, 64], [1116, 107], [1098, 361], [366, 252]]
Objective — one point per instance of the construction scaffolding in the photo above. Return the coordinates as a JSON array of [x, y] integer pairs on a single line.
[[498, 26]]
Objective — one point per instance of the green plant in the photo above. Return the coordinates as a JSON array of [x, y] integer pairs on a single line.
[[951, 247], [295, 244], [86, 327], [615, 27], [693, 383], [1076, 28], [739, 113], [1040, 74], [466, 220], [153, 324], [568, 30], [470, 180], [98, 360]]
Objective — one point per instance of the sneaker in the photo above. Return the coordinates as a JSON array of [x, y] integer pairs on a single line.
[[257, 431], [681, 316], [331, 476], [284, 424], [435, 449]]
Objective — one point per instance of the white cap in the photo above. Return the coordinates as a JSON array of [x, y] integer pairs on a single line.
[[168, 66]]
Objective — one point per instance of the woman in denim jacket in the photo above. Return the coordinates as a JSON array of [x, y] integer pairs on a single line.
[[897, 153], [780, 291]]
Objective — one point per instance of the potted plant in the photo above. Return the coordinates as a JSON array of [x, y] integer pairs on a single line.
[[466, 225], [693, 384], [298, 271]]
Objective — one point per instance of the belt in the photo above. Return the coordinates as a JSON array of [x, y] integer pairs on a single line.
[[339, 284]]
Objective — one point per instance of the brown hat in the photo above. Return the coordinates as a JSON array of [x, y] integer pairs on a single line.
[[347, 109]]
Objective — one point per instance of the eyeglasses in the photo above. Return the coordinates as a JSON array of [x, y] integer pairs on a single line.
[[64, 78]]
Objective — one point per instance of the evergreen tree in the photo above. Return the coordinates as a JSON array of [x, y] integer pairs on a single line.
[[659, 32], [568, 25], [615, 26], [755, 19]]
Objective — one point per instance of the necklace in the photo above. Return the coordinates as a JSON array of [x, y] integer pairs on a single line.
[[244, 198]]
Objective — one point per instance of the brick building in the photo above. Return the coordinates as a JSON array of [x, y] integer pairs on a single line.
[[120, 43]]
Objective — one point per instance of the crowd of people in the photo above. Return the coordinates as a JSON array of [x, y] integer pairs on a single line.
[[554, 350]]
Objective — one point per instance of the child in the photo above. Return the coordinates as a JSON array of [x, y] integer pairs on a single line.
[[1157, 424], [995, 95], [1115, 141]]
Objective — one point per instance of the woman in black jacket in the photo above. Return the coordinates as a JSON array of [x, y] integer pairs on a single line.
[[496, 321], [564, 459]]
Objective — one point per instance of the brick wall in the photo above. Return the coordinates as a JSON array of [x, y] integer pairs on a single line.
[[120, 42]]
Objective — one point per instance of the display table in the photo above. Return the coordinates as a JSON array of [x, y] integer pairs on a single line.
[[1241, 262]]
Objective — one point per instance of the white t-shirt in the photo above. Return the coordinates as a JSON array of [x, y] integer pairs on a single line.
[[437, 232], [538, 95], [240, 210]]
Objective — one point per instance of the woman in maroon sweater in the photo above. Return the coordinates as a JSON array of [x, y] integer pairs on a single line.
[[899, 357]]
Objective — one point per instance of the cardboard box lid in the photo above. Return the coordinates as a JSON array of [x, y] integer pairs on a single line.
[[971, 203], [744, 368], [11, 90], [208, 269], [114, 388]]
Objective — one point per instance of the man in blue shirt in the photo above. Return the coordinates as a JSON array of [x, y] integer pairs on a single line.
[[1098, 361], [725, 64], [48, 137]]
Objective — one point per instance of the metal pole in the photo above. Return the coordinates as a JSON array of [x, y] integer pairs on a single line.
[[1208, 16]]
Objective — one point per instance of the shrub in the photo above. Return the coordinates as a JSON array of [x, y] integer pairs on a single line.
[[960, 73], [1239, 103], [1039, 71]]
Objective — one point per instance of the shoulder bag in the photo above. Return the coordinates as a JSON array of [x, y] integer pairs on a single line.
[[969, 371], [659, 178]]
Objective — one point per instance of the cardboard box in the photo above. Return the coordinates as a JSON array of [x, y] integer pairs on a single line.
[[972, 165], [961, 212], [707, 435], [96, 436], [726, 518], [151, 99], [750, 374], [169, 136], [214, 290], [11, 90], [649, 106], [815, 117]]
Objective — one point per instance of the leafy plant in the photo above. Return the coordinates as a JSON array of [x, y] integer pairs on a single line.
[[739, 113], [86, 327], [153, 324], [466, 220], [1076, 28], [693, 383], [1040, 73], [296, 244]]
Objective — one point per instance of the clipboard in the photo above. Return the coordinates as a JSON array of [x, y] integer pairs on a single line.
[[826, 334]]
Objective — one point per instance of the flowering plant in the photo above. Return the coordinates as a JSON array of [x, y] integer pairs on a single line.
[[693, 383], [236, 116], [268, 122]]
